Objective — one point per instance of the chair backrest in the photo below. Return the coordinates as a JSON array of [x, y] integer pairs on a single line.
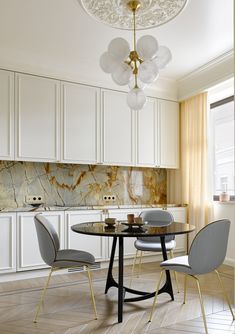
[[208, 249], [157, 218], [48, 240]]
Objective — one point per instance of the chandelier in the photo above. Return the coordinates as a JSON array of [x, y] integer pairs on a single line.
[[141, 65]]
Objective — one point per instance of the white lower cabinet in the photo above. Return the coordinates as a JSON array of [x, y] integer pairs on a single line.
[[180, 216], [120, 214], [19, 249], [28, 254], [90, 243], [7, 242]]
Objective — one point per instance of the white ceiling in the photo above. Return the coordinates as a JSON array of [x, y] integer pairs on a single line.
[[57, 35]]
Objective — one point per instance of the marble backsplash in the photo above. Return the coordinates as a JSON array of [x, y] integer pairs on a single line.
[[75, 185]]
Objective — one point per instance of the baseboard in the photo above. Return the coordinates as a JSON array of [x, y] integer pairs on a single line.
[[229, 262]]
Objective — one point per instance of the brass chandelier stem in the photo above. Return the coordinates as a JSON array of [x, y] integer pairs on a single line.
[[134, 6]]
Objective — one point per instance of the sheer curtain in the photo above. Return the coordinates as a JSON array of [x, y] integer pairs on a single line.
[[190, 184]]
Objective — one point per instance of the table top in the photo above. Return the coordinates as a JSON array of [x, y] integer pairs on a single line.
[[121, 230]]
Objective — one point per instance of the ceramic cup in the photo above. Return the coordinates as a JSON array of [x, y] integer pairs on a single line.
[[130, 218]]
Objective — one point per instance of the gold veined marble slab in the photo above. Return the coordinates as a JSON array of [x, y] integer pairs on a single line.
[[70, 185]]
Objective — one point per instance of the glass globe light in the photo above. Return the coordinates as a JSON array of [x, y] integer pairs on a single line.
[[136, 99], [122, 74], [131, 83], [119, 47], [147, 47], [163, 57], [148, 71], [108, 62]]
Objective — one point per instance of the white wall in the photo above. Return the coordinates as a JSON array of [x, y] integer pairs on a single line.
[[227, 210]]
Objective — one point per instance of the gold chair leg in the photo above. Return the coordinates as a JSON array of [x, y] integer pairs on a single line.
[[185, 287], [225, 294], [175, 274], [43, 295], [133, 267], [201, 302], [155, 297], [140, 264], [91, 291]]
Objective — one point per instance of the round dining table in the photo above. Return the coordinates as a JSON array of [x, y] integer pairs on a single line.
[[124, 230]]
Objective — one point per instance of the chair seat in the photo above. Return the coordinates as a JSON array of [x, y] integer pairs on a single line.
[[148, 246], [72, 258], [179, 264]]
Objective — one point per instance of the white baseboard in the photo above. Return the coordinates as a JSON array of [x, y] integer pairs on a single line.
[[229, 262]]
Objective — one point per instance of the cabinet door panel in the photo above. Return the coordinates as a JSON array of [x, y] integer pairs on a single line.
[[28, 249], [92, 244], [80, 123], [117, 129], [146, 128], [6, 115], [169, 134], [180, 217], [37, 107], [129, 248], [7, 243]]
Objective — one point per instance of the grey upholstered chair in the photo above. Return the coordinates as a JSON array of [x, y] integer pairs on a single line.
[[57, 259], [153, 244], [207, 253]]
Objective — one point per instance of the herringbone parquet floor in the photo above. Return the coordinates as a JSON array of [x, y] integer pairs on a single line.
[[67, 308]]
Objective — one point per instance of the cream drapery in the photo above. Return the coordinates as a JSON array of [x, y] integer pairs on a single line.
[[190, 184]]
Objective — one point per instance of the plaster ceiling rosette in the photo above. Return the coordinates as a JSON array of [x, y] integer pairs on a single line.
[[115, 13]]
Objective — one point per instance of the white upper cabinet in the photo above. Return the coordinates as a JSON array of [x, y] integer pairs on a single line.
[[118, 129], [168, 135], [6, 115], [37, 118], [146, 133], [80, 123], [73, 123]]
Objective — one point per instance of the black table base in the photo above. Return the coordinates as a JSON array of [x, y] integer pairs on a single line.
[[110, 281]]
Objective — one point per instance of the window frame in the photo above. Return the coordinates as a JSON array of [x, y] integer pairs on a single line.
[[212, 106]]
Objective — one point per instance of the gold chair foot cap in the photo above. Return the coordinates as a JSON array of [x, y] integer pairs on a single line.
[[35, 321], [149, 320]]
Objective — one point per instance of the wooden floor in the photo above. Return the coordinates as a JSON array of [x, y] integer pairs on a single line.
[[67, 308]]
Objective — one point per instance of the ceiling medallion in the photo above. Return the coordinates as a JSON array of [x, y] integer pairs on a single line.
[[115, 13]]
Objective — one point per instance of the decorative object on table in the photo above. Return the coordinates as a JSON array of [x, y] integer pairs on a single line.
[[141, 65], [134, 227], [138, 220], [110, 223], [130, 218], [224, 196]]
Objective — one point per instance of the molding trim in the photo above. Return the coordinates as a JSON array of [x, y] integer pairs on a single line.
[[206, 76]]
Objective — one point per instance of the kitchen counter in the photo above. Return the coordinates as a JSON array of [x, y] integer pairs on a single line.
[[43, 208]]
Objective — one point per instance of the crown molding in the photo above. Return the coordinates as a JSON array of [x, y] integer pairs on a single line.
[[206, 76]]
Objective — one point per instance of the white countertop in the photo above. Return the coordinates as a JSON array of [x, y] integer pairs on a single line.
[[42, 208]]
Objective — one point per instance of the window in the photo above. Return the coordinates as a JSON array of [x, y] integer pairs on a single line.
[[222, 123]]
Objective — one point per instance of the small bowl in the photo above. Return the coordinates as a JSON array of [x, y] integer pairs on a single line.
[[110, 221], [138, 220]]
